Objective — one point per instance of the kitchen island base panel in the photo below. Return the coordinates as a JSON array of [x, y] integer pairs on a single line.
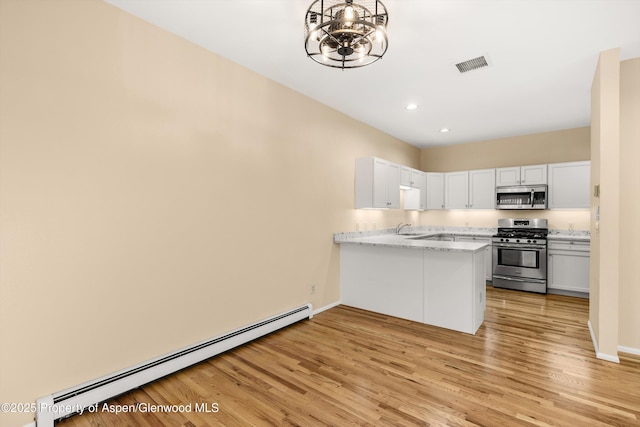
[[436, 287], [454, 296], [386, 280]]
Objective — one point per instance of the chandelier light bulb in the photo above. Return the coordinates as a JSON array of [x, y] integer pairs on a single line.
[[348, 13]]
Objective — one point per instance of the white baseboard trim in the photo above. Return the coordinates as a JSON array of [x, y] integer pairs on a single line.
[[31, 424], [326, 307], [629, 350], [599, 355]]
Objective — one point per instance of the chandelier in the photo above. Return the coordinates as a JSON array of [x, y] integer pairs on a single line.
[[344, 34]]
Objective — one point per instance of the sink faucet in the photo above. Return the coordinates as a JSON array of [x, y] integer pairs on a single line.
[[400, 226]]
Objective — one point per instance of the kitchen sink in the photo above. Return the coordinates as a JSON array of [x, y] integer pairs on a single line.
[[438, 237]]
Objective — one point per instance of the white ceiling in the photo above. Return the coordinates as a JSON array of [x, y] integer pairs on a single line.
[[543, 55]]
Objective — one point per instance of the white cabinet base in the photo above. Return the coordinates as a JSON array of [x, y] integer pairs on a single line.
[[384, 280], [454, 296], [441, 288]]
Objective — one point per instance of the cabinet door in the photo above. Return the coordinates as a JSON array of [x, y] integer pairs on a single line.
[[435, 190], [393, 186], [422, 180], [405, 177], [377, 184], [380, 186], [569, 185], [415, 199], [568, 271], [416, 177], [533, 175], [507, 176], [482, 189], [456, 190]]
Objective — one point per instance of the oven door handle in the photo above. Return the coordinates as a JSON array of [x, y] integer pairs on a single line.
[[515, 279], [518, 246]]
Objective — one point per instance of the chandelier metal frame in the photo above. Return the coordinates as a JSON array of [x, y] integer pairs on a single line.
[[345, 34]]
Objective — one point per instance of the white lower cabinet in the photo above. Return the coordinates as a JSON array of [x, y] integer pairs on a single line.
[[568, 266], [488, 253]]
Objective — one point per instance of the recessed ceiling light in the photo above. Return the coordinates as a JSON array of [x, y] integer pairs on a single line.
[[411, 107], [444, 130]]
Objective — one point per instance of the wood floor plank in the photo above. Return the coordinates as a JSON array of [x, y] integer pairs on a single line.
[[531, 363]]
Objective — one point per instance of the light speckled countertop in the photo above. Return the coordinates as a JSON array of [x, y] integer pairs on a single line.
[[575, 235], [406, 239], [388, 237]]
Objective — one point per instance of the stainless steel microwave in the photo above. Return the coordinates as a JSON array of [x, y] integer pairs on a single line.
[[521, 197]]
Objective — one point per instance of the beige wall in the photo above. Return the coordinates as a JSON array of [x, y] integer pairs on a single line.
[[605, 139], [615, 280], [629, 326], [548, 147], [154, 195]]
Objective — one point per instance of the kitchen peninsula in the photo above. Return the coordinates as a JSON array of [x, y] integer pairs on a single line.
[[419, 276]]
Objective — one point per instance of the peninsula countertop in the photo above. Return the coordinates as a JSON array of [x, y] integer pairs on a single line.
[[414, 240]]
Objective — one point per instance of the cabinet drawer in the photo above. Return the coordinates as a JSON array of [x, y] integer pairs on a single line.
[[569, 245]]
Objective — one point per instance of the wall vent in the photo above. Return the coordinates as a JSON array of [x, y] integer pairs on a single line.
[[472, 64]]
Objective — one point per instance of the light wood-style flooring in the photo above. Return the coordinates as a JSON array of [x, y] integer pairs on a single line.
[[531, 363]]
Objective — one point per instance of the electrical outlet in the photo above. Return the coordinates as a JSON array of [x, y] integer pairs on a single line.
[[313, 288]]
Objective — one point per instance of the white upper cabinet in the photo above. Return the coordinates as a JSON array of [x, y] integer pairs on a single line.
[[377, 184], [508, 176], [521, 175], [474, 189], [533, 175], [416, 197], [435, 190], [456, 190], [482, 189], [569, 185], [410, 178]]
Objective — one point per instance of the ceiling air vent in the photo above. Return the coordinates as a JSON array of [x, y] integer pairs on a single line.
[[472, 64]]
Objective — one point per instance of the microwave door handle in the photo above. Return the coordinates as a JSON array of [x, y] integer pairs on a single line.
[[532, 195]]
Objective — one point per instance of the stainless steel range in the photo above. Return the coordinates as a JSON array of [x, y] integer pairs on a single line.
[[520, 254]]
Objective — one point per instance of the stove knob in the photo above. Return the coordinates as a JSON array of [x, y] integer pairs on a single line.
[[506, 240], [533, 241], [518, 241], [528, 241]]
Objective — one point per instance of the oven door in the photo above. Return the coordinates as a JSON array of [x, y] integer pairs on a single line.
[[518, 260]]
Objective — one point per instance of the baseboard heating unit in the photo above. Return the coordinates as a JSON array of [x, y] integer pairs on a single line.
[[70, 401]]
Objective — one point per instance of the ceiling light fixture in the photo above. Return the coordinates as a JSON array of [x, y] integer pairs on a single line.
[[444, 130], [344, 34], [411, 107]]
